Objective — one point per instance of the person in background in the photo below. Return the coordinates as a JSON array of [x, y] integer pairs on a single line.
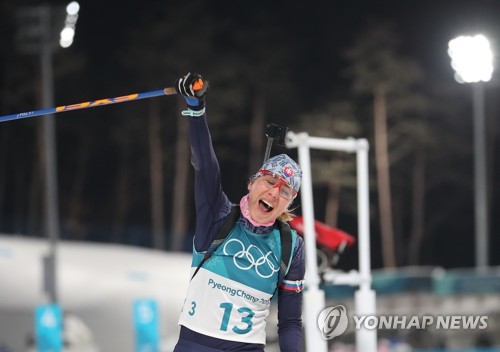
[[234, 278]]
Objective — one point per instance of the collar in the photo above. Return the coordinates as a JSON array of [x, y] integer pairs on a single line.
[[249, 223]]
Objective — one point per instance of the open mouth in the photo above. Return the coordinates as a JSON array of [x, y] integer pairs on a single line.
[[264, 206]]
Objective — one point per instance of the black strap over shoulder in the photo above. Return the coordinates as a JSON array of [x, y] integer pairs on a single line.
[[286, 247], [231, 219], [229, 223]]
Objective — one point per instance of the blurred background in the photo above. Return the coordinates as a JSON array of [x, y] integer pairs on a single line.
[[120, 175]]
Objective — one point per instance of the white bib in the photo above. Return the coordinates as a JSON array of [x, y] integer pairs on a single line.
[[229, 298]]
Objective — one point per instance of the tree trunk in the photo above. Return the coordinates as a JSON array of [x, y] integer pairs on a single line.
[[35, 224], [257, 134], [332, 201], [156, 173], [122, 199], [417, 231], [383, 177], [3, 167], [182, 157]]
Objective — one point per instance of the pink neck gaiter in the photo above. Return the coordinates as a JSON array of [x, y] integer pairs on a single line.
[[245, 211]]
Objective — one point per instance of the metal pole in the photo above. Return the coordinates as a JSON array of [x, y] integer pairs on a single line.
[[314, 297], [365, 297], [366, 339], [480, 178], [49, 136], [363, 213]]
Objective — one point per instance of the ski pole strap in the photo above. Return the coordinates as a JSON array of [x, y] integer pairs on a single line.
[[228, 225], [193, 113]]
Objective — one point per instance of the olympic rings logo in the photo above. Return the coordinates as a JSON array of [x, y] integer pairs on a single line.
[[263, 260]]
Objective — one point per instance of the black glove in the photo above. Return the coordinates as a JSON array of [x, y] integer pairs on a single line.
[[193, 88]]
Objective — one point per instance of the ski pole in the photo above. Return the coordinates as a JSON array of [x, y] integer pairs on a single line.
[[89, 104], [100, 102]]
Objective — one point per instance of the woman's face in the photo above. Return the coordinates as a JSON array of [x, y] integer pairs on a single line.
[[268, 198]]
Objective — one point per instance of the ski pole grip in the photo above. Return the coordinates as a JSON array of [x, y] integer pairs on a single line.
[[198, 84]]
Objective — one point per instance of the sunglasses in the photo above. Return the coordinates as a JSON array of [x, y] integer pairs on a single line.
[[272, 180]]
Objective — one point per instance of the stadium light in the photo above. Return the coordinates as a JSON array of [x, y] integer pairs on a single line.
[[472, 60], [68, 32]]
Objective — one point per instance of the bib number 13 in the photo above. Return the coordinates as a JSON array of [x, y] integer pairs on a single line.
[[246, 318]]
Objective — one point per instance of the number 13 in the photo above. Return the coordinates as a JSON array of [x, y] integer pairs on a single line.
[[247, 318]]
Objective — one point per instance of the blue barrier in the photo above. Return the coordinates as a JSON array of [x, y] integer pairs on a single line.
[[147, 337], [48, 328]]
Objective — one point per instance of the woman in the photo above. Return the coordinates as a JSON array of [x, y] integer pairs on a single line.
[[229, 295]]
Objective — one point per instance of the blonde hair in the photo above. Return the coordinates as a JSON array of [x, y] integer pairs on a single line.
[[286, 216]]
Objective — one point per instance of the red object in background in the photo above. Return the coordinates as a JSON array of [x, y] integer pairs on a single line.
[[326, 236]]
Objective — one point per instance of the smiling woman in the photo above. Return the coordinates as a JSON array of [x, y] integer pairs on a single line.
[[272, 190], [245, 267]]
